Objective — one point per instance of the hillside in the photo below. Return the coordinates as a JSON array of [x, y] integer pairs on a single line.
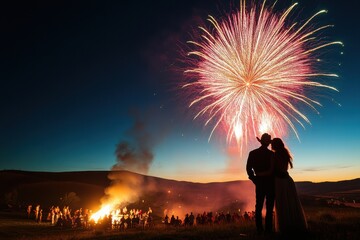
[[86, 189]]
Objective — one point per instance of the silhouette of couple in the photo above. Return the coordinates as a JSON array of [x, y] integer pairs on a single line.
[[268, 171]]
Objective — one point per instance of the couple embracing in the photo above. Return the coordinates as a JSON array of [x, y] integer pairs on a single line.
[[268, 171]]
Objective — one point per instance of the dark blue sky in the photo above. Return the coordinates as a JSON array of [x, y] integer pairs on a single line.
[[74, 72]]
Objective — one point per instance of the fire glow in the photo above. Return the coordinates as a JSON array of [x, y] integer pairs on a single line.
[[103, 212], [250, 72], [117, 216]]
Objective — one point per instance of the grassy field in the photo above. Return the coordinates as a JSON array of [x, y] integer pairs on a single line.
[[333, 223]]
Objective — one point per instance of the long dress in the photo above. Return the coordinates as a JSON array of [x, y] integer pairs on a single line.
[[289, 214]]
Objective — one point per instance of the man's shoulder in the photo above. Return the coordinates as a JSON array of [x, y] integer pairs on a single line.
[[256, 150], [260, 150], [252, 152]]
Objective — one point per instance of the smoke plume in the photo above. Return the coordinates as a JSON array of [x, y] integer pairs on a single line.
[[134, 154]]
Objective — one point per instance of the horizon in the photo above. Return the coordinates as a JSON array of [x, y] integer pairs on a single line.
[[152, 176]]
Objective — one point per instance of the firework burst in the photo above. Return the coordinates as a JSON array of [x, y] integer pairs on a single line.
[[251, 70]]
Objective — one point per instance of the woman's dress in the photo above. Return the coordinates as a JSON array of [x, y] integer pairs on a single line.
[[289, 214]]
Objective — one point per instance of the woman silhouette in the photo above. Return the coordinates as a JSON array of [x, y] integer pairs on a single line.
[[289, 214]]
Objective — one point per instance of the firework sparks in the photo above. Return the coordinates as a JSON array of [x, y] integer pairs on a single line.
[[251, 70]]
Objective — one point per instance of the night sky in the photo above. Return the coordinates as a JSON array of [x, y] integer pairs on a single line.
[[77, 75]]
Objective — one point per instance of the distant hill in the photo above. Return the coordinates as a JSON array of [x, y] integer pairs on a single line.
[[328, 187], [49, 188], [348, 190], [87, 188]]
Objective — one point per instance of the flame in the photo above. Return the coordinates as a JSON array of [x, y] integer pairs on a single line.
[[104, 211]]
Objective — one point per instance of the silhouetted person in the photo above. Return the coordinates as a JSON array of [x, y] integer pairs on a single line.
[[172, 220], [246, 216], [290, 216], [29, 210], [37, 211], [198, 219], [259, 160], [187, 220], [178, 221], [166, 219], [191, 218], [40, 216]]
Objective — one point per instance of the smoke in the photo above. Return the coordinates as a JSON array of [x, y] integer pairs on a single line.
[[125, 188], [236, 163], [237, 196], [134, 156], [129, 183]]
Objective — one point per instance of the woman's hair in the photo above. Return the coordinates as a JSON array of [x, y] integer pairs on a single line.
[[278, 146]]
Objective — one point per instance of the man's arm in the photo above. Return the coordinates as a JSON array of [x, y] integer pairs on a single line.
[[249, 167]]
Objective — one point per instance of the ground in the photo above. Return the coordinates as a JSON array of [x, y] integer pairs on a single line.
[[325, 222]]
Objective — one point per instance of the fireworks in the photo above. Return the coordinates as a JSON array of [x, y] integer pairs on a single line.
[[251, 70]]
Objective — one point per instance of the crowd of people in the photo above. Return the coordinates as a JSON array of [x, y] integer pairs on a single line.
[[267, 169], [208, 218], [64, 217], [79, 218], [122, 219]]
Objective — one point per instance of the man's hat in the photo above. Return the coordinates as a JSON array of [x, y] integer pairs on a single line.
[[265, 139]]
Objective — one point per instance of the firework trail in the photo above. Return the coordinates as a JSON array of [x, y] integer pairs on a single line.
[[250, 71]]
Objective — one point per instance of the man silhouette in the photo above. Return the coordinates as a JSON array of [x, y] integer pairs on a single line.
[[259, 160]]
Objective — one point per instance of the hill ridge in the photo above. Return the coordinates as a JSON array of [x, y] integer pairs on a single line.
[[47, 188]]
